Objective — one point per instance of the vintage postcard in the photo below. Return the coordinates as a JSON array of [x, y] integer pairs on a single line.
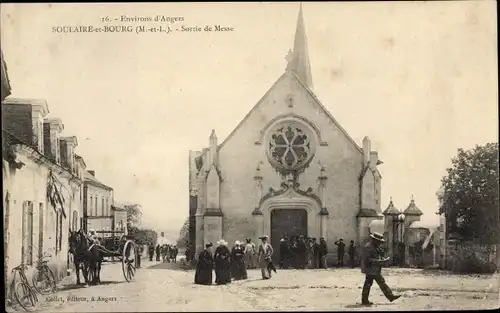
[[258, 156]]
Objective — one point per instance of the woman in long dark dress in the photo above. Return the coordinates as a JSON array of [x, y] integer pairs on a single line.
[[222, 258], [238, 268], [204, 267], [158, 253]]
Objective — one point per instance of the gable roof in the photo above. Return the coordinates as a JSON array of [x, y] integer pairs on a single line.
[[251, 111], [310, 92], [325, 110], [89, 178]]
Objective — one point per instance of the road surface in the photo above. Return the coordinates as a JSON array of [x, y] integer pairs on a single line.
[[160, 287]]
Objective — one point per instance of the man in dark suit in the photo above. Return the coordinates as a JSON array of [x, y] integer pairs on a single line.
[[340, 252], [371, 265]]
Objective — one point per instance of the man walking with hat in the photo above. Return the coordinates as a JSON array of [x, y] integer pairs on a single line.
[[265, 253], [371, 265]]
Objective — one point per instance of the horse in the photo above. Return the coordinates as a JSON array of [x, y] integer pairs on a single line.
[[90, 256]]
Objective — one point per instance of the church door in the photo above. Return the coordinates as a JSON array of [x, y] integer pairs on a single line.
[[286, 222]]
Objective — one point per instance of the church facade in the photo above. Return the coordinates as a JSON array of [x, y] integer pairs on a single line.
[[287, 169]]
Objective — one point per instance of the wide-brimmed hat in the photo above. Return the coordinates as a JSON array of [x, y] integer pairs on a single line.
[[263, 237], [237, 242], [377, 236], [208, 245], [249, 240], [222, 242]]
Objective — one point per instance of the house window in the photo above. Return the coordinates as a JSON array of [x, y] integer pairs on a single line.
[[104, 211], [27, 226], [95, 206], [40, 230], [59, 218], [74, 223], [60, 230], [107, 207], [57, 231], [91, 206]]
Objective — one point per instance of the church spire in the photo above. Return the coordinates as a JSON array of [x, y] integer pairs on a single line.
[[299, 58]]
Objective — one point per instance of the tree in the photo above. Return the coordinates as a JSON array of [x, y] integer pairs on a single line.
[[134, 215], [184, 235], [144, 236], [470, 194]]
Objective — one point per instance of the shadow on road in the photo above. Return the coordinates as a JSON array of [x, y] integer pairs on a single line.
[[359, 305], [82, 286], [179, 266]]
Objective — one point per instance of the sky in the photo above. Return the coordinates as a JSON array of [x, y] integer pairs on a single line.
[[418, 78]]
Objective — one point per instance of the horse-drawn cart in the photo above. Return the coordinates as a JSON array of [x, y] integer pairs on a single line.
[[122, 249]]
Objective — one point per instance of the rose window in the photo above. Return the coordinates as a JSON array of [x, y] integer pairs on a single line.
[[289, 147]]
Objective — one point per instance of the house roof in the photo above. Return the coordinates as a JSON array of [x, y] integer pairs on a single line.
[[118, 207], [420, 224], [89, 178], [80, 159], [8, 140], [412, 209], [42, 103], [368, 213], [391, 209]]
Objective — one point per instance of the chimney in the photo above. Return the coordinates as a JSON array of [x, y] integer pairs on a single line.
[[52, 129], [92, 173], [23, 118], [67, 146], [366, 150]]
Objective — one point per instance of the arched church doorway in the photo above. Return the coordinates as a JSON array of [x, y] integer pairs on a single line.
[[286, 222]]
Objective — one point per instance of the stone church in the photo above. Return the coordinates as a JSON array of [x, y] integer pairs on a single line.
[[288, 168]]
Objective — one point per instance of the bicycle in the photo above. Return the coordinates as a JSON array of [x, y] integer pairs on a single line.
[[44, 281], [24, 294]]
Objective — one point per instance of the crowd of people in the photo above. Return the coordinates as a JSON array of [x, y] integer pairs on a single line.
[[298, 252], [232, 264], [166, 253], [301, 252]]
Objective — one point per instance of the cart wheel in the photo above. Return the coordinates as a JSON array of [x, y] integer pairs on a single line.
[[129, 260], [25, 296]]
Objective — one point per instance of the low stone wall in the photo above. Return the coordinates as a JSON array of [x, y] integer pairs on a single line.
[[469, 257]]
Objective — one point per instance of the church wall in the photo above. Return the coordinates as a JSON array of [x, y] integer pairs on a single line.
[[239, 157], [343, 162]]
